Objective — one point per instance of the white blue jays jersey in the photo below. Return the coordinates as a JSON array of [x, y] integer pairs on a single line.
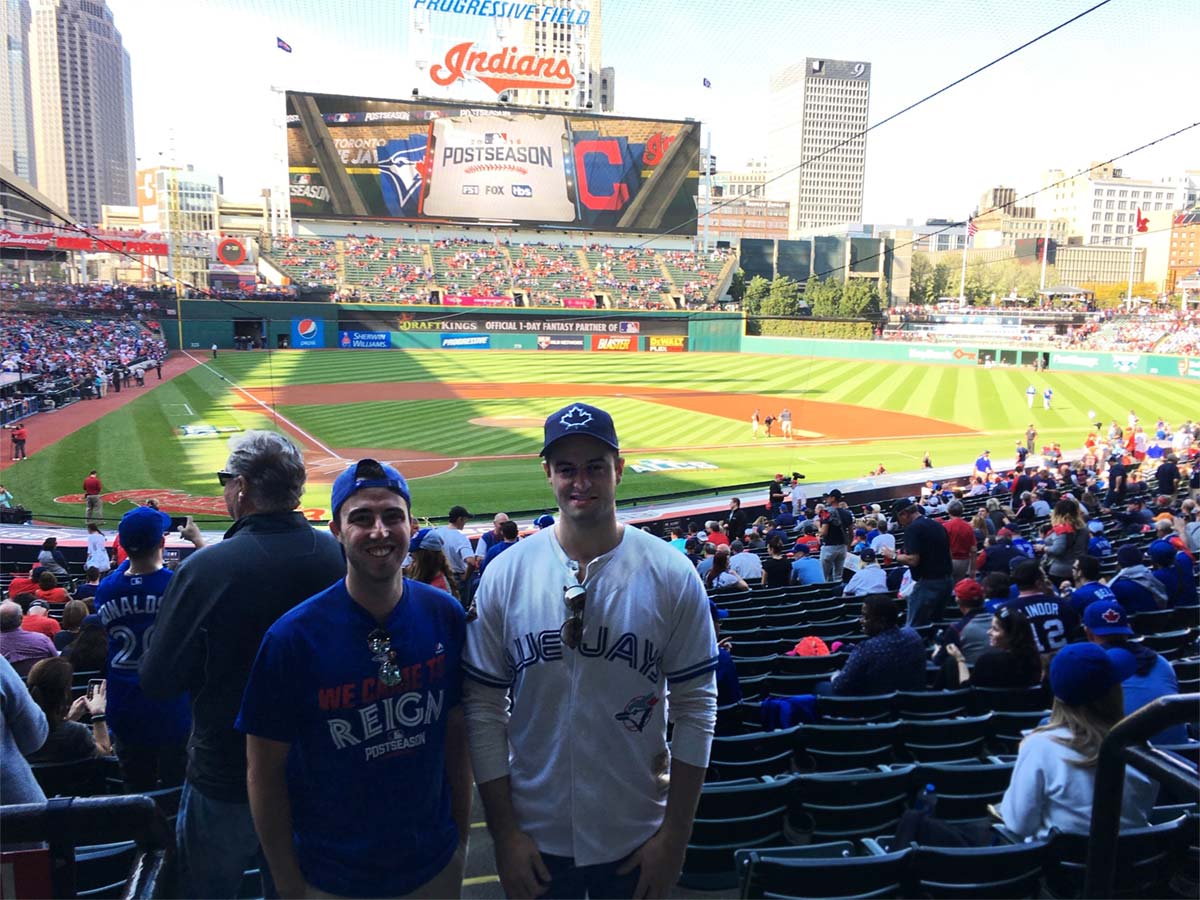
[[588, 727]]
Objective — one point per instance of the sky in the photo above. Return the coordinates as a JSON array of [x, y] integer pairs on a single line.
[[207, 74]]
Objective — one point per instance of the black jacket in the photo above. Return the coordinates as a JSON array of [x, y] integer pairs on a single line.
[[219, 605]]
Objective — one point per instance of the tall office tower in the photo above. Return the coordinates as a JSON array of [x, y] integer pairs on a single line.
[[816, 149], [83, 107], [570, 30], [16, 96]]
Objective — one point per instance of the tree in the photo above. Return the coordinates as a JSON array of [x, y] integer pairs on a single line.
[[826, 299], [756, 292], [860, 299], [920, 282], [939, 286], [737, 285], [784, 299]]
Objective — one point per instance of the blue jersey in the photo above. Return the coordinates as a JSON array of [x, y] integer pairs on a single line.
[[366, 774], [128, 609]]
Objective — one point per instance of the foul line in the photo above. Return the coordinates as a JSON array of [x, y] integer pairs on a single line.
[[290, 424]]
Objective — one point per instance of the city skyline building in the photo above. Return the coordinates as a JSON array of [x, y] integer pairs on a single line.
[[581, 44], [17, 151], [1101, 205], [816, 143], [82, 106]]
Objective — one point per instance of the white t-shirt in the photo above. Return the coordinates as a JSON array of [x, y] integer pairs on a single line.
[[457, 548], [867, 580], [96, 554], [883, 540], [587, 731]]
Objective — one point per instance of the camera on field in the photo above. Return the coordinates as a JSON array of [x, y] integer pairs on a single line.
[[796, 476]]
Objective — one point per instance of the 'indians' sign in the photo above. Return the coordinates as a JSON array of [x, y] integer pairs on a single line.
[[502, 70]]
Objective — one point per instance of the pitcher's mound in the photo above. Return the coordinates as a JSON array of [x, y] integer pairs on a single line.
[[509, 422]]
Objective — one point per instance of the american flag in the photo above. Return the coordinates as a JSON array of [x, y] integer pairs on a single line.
[[283, 45], [972, 228]]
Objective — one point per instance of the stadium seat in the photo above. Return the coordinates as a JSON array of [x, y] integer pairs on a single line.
[[1146, 860], [1008, 728], [938, 740], [1170, 644], [752, 755], [850, 804], [986, 699], [931, 704], [809, 665], [1153, 621], [751, 648], [872, 708], [1007, 870], [835, 747], [964, 789], [77, 778], [714, 841], [747, 797], [793, 685], [795, 872], [101, 870], [750, 666]]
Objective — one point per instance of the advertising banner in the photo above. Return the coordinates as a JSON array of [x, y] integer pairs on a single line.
[[620, 343], [579, 302], [365, 340], [553, 342], [428, 160], [1173, 366], [308, 333], [34, 240], [466, 341], [455, 300], [668, 344], [531, 322]]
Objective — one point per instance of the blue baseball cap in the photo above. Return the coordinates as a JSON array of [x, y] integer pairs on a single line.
[[1161, 552], [543, 521], [1103, 617], [142, 529], [349, 483], [580, 418], [1082, 673], [427, 539]]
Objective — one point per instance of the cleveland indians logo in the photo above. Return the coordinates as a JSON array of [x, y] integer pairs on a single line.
[[575, 418], [637, 712]]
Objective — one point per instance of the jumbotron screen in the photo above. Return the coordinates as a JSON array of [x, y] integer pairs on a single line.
[[356, 158]]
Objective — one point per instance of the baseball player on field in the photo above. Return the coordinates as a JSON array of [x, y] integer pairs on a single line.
[[594, 628]]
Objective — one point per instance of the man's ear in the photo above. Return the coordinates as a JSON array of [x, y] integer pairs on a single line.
[[546, 468], [335, 527], [619, 468]]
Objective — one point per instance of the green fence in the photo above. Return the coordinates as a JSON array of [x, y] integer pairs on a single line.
[[950, 354]]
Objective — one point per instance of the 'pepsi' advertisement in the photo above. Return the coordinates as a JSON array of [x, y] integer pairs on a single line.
[[365, 340], [445, 162], [308, 333]]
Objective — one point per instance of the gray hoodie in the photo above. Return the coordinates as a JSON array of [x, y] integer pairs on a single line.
[[1142, 575]]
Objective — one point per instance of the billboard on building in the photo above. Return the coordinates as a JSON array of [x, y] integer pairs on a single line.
[[356, 158]]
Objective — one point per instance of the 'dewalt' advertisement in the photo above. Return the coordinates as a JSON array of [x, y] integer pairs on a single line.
[[358, 158]]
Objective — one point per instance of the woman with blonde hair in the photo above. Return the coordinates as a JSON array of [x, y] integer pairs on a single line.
[[1054, 779], [1067, 540]]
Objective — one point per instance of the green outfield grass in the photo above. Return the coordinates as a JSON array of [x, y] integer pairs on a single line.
[[140, 446]]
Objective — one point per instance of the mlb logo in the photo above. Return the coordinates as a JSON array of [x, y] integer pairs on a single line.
[[302, 178], [471, 190], [522, 190], [543, 342], [495, 137], [630, 327]]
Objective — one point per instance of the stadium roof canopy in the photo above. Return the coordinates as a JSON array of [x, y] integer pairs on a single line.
[[22, 203]]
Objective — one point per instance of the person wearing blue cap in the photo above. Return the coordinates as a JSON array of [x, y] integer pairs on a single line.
[[210, 624], [1135, 587], [587, 631], [1054, 779], [1145, 675], [358, 770], [149, 736]]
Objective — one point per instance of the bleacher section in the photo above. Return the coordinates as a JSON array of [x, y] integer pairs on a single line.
[[396, 270]]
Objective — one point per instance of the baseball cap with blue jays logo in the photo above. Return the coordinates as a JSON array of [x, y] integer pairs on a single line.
[[1105, 617], [142, 529], [580, 418]]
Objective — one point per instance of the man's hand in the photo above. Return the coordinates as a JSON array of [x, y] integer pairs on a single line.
[[520, 867], [191, 532], [660, 860]]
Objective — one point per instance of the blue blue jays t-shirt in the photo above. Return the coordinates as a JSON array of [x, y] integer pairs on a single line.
[[371, 814], [128, 609], [1089, 593]]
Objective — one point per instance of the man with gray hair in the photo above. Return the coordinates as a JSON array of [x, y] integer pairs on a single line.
[[211, 621], [20, 647]]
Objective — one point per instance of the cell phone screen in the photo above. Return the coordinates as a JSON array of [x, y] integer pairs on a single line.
[[92, 684], [178, 522]]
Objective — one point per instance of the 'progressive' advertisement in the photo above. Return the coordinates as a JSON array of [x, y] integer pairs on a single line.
[[361, 158]]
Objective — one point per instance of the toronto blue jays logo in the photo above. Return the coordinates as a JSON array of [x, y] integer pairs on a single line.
[[402, 168], [575, 418], [1111, 616], [637, 712]]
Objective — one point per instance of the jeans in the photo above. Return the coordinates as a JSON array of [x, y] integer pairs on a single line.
[[599, 882], [217, 843], [833, 561], [926, 600]]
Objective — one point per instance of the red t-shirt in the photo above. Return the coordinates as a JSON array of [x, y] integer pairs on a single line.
[[41, 625], [57, 596], [962, 537], [718, 538], [19, 433], [91, 485], [21, 584]]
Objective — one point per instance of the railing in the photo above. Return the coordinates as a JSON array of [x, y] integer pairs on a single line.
[[1126, 745]]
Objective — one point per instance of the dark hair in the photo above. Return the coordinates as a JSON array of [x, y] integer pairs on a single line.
[[775, 544], [509, 530], [1089, 567], [996, 585], [1019, 635], [89, 651], [50, 687], [73, 614], [1027, 574], [50, 543], [882, 610], [720, 565], [91, 573], [428, 564], [47, 581]]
